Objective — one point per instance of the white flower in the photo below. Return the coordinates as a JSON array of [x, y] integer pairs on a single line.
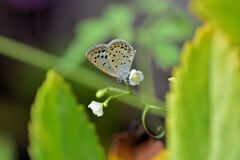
[[97, 108], [135, 77]]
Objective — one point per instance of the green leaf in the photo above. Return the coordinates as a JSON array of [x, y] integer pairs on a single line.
[[223, 13], [204, 113], [166, 54], [120, 18], [89, 33], [7, 148], [175, 27], [163, 35], [157, 6], [59, 129]]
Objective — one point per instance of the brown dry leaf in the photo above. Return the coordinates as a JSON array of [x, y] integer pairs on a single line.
[[135, 144]]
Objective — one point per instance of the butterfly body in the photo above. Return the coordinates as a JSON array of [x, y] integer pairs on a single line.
[[114, 58]]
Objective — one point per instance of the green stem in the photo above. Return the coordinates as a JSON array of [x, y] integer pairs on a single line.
[[146, 109], [144, 114], [128, 89], [105, 103], [129, 92], [162, 109], [159, 129], [101, 92], [45, 60], [113, 89]]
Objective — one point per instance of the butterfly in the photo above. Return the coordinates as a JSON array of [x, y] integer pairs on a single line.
[[114, 58]]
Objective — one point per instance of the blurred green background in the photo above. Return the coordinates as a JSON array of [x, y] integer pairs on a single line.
[[44, 34]]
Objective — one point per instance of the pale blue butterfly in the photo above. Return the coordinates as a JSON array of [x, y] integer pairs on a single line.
[[114, 58]]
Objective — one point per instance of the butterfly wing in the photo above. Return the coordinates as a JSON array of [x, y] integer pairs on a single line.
[[121, 56], [97, 55]]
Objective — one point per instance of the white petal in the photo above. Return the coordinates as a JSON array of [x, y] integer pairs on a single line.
[[132, 73], [99, 113], [132, 81], [97, 108], [141, 77]]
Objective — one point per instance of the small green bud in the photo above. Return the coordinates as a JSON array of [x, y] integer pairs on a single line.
[[101, 92]]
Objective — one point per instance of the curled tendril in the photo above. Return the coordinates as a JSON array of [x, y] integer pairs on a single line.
[[159, 129]]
